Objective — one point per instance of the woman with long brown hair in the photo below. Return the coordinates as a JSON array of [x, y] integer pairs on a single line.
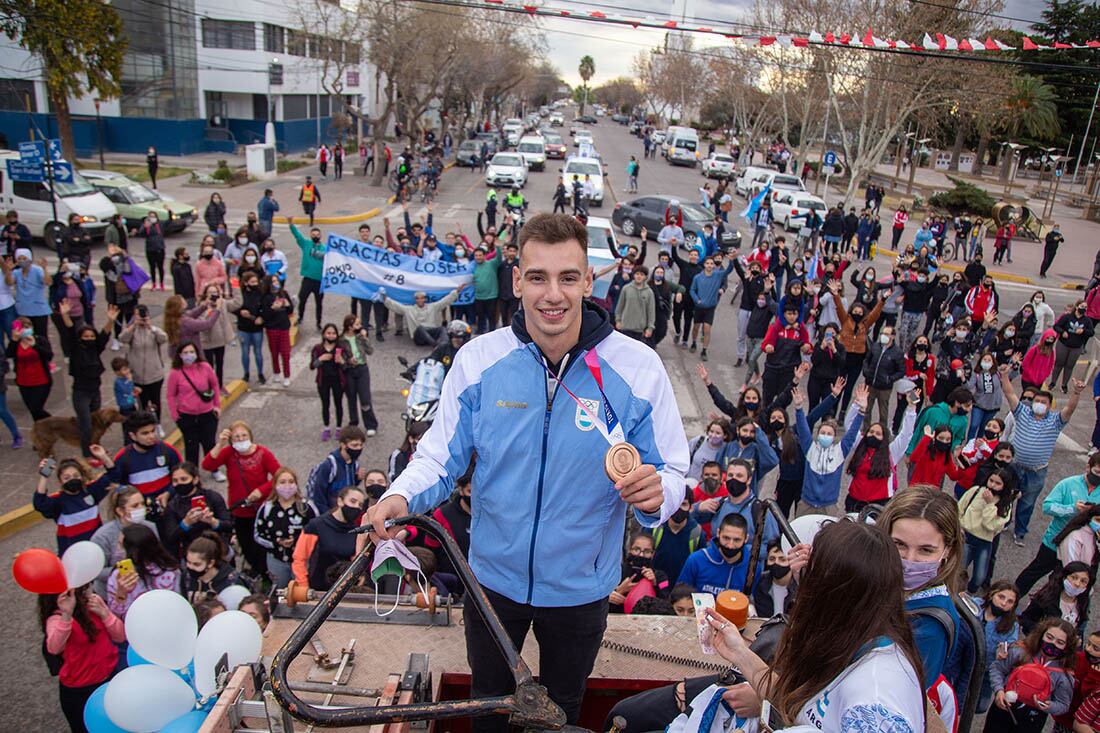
[[1052, 644], [865, 664]]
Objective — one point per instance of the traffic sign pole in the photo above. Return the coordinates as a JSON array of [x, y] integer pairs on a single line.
[[53, 205]]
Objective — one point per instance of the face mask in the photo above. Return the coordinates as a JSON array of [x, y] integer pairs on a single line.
[[884, 339], [922, 279], [777, 425], [990, 435], [857, 317], [921, 348], [825, 441], [750, 406], [997, 611], [778, 572], [1094, 525], [183, 489], [459, 252], [1036, 301], [761, 303], [27, 333], [746, 439], [354, 453], [375, 491], [987, 364], [286, 491], [872, 441], [188, 358], [242, 446], [710, 485], [207, 255], [250, 259], [242, 240], [195, 574], [1050, 650], [715, 440], [915, 573], [1010, 332], [315, 239], [680, 515], [1093, 660], [658, 278], [137, 515], [1092, 479], [943, 445], [730, 554], [736, 487], [1039, 409], [72, 486], [352, 514], [393, 558]]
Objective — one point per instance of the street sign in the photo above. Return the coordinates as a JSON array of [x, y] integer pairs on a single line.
[[828, 170], [54, 146], [1058, 172], [23, 171], [33, 151], [830, 159]]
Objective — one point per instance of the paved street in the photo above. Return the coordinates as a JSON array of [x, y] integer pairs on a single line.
[[287, 420]]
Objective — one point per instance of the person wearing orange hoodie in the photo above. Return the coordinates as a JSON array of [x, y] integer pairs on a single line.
[[1039, 361]]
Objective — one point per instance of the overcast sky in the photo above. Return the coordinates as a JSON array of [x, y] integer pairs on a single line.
[[613, 48]]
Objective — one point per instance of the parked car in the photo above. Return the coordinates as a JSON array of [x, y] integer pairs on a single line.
[[601, 246], [649, 212], [780, 182], [557, 120], [506, 169], [135, 201], [588, 119], [468, 153], [790, 208], [636, 128], [718, 165], [492, 139]]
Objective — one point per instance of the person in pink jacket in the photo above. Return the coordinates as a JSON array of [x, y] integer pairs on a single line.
[[209, 270], [1039, 361], [194, 400]]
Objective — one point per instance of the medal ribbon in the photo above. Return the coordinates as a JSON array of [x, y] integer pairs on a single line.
[[609, 427]]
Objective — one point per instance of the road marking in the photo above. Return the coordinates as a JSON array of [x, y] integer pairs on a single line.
[[1072, 445], [681, 389]]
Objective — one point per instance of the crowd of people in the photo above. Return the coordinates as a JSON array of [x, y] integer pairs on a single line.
[[910, 394]]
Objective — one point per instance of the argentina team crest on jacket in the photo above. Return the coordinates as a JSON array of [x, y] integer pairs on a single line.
[[585, 419]]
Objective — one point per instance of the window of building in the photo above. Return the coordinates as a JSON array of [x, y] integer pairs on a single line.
[[274, 38], [14, 94], [296, 106], [326, 104], [235, 34], [295, 42]]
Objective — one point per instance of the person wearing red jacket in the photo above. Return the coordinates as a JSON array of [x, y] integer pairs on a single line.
[[249, 468], [901, 217], [982, 301], [920, 368], [931, 457], [1086, 679], [784, 344], [711, 488]]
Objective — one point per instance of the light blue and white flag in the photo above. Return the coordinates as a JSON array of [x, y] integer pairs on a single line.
[[749, 214], [358, 269]]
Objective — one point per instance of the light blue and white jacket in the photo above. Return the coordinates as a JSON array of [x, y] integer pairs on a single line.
[[547, 522]]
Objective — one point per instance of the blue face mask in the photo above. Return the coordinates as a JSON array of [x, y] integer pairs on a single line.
[[825, 441], [1094, 525]]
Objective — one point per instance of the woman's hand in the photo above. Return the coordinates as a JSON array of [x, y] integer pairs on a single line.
[[799, 557], [743, 699], [999, 700], [254, 496], [66, 603], [726, 638], [224, 437], [97, 606]]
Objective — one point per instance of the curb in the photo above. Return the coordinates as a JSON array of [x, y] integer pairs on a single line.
[[25, 516], [957, 268]]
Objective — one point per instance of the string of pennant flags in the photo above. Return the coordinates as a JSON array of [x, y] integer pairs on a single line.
[[937, 42]]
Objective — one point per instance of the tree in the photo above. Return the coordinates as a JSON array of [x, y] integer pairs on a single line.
[[620, 94], [1031, 107], [80, 45], [586, 70], [671, 77]]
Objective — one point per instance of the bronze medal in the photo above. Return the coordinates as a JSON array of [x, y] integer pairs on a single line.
[[620, 460]]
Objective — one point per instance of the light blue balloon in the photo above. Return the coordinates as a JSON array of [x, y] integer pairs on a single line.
[[187, 674], [189, 723], [133, 659], [95, 715]]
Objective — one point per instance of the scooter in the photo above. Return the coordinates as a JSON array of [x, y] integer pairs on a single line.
[[425, 379]]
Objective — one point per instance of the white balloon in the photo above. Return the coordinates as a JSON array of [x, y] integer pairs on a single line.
[[234, 633], [146, 698], [83, 562], [806, 527], [232, 596], [161, 627]]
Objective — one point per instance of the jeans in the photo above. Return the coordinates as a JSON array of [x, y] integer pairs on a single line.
[[569, 640], [84, 404], [978, 418], [1045, 560], [1096, 427], [752, 361], [429, 335], [1031, 485], [742, 325], [759, 235], [6, 416], [7, 318], [976, 551], [252, 340], [485, 315], [281, 573]]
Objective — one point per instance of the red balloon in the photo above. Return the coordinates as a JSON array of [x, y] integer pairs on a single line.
[[40, 571]]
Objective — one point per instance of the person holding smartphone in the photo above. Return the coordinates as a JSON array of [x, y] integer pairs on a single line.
[[192, 510], [75, 507], [146, 358], [327, 359]]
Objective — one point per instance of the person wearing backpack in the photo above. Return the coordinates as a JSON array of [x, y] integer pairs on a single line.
[[1033, 681], [337, 470], [704, 448], [998, 618]]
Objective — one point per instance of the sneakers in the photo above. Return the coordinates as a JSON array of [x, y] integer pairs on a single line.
[[1018, 540], [325, 435], [372, 433], [247, 377], [703, 355], [692, 349], [286, 381], [739, 363], [219, 476], [17, 442], [336, 434], [115, 345], [379, 337], [261, 379]]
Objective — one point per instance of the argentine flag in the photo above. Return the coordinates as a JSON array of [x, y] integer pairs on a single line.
[[749, 214]]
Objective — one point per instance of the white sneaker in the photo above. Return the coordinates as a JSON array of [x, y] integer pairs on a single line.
[[115, 345], [372, 433], [219, 476], [286, 382]]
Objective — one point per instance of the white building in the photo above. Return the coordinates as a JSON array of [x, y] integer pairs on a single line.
[[197, 75]]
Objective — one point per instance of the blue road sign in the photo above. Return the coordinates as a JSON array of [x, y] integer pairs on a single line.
[[54, 146], [25, 172], [33, 151], [63, 172], [830, 158]]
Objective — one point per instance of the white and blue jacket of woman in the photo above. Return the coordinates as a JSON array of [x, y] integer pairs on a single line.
[[547, 522]]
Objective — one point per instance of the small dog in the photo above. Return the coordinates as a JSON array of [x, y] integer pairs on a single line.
[[49, 430]]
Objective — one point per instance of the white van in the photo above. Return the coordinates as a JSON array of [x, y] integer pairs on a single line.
[[513, 131], [683, 148], [533, 150], [32, 201], [671, 132], [745, 177]]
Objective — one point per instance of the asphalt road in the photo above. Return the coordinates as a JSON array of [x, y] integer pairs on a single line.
[[287, 420]]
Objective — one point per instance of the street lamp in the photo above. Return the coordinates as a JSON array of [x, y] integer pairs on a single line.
[[273, 70]]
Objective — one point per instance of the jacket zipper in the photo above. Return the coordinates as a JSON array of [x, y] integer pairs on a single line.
[[542, 475]]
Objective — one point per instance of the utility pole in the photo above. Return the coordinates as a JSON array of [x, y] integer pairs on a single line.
[[821, 158], [901, 149], [1088, 129]]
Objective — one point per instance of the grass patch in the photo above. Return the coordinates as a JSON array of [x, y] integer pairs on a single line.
[[139, 173], [285, 165]]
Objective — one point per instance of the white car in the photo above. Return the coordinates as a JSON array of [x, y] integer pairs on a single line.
[[512, 133], [601, 243], [506, 169], [556, 119], [781, 182], [581, 167], [791, 208], [718, 165], [533, 150], [582, 136]]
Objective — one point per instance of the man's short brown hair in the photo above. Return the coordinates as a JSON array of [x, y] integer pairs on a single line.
[[552, 229]]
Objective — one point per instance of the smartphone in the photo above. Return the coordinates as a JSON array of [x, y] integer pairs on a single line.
[[143, 311], [198, 502], [47, 470], [125, 566], [769, 720]]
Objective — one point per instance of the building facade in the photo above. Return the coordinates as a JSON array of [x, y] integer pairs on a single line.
[[204, 76]]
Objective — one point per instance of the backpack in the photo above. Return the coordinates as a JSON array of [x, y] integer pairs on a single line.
[[315, 475], [1032, 683]]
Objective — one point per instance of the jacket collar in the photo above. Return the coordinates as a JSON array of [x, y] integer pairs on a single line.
[[595, 327]]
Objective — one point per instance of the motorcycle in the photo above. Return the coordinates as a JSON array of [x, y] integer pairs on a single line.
[[425, 379]]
